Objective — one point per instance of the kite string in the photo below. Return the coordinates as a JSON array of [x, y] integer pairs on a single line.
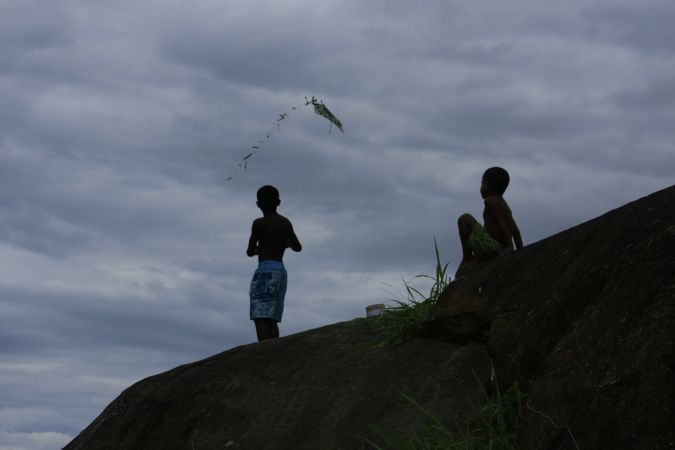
[[319, 108]]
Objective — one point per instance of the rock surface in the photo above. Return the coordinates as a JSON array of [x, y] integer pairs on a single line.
[[320, 389], [583, 320]]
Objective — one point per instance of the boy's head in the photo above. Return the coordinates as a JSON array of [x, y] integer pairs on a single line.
[[495, 181], [268, 197]]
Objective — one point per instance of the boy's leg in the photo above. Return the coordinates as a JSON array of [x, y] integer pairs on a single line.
[[465, 224], [263, 329], [260, 329], [266, 329]]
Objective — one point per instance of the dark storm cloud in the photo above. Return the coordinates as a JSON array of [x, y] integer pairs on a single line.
[[656, 96], [66, 207], [46, 321], [247, 56], [27, 25], [295, 52], [645, 27]]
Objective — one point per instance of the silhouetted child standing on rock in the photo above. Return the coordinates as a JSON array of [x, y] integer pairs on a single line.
[[500, 231], [270, 236]]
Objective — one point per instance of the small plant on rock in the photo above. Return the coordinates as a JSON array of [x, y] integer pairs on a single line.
[[496, 430], [403, 320]]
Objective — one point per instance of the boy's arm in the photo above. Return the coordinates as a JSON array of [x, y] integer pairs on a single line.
[[293, 241], [516, 236], [495, 211], [252, 249]]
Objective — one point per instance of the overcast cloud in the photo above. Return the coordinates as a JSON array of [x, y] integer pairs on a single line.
[[123, 247]]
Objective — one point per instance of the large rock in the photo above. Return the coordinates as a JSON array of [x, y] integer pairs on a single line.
[[584, 321], [321, 389]]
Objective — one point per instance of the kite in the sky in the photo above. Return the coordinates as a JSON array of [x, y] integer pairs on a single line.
[[323, 111], [319, 108]]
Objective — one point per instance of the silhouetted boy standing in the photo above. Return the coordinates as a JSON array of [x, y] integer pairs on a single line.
[[500, 231], [270, 236]]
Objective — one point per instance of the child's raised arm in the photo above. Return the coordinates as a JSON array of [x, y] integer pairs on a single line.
[[252, 249], [293, 241], [516, 236]]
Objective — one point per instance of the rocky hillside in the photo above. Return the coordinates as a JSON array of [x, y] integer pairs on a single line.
[[583, 320]]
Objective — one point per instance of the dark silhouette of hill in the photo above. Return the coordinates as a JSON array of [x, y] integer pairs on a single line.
[[583, 320]]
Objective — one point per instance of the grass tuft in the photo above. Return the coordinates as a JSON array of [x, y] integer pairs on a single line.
[[403, 320], [497, 429], [497, 426]]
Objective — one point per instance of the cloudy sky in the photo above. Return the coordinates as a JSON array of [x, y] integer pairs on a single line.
[[122, 247]]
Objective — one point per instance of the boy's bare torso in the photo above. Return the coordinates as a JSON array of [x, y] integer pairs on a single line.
[[499, 222], [270, 236]]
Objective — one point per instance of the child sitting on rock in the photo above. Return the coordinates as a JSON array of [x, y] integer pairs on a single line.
[[500, 231], [270, 236]]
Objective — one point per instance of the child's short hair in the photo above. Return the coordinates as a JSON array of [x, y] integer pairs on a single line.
[[268, 196], [498, 179]]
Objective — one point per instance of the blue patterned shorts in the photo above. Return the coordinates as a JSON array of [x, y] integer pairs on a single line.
[[268, 290]]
